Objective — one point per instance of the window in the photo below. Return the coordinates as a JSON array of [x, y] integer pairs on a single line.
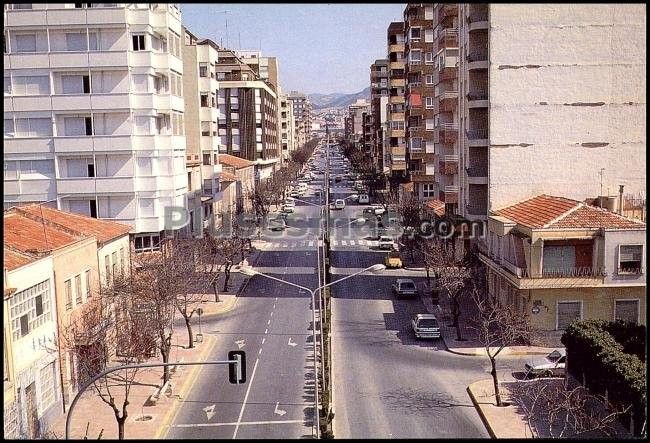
[[88, 293], [203, 69], [107, 267], [76, 41], [68, 294], [23, 309], [626, 310], [88, 123], [568, 311], [77, 289], [206, 159], [205, 128], [47, 385], [91, 170], [31, 85], [415, 33], [38, 301], [428, 58], [8, 85], [114, 260], [122, 260], [428, 35], [630, 259], [138, 42], [25, 42], [93, 208], [204, 99], [428, 190], [147, 242], [428, 103], [75, 84], [146, 207], [558, 260], [24, 325], [429, 79]]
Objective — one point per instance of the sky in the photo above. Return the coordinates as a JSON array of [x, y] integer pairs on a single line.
[[321, 48]]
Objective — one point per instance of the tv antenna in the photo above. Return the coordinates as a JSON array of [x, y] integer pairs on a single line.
[[227, 41]]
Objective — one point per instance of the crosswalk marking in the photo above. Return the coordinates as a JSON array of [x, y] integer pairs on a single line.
[[351, 242], [344, 243], [311, 243]]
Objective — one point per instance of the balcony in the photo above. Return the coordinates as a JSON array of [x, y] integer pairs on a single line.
[[448, 95], [477, 60], [447, 10], [397, 83], [396, 47], [450, 194], [477, 137], [396, 99], [448, 37], [421, 176], [399, 64], [449, 165], [476, 209]]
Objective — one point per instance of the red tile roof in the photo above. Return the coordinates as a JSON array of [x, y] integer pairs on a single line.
[[236, 162], [102, 230], [27, 235], [437, 206], [14, 259], [593, 217], [227, 177], [538, 211], [546, 211]]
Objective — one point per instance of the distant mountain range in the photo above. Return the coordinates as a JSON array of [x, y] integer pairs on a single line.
[[337, 99]]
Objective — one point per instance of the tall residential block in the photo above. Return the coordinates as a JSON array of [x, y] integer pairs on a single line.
[[396, 135], [378, 107], [248, 125], [93, 110], [287, 127], [552, 101], [200, 58], [302, 115]]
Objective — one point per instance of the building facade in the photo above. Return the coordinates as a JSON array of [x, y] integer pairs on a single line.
[[396, 134], [302, 115], [378, 107], [287, 128], [94, 110]]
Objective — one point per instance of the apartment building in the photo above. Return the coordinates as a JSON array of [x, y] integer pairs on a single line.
[[32, 399], [550, 117], [93, 110], [302, 114], [378, 105], [396, 134], [287, 127], [200, 59], [265, 67], [355, 123], [249, 108], [366, 138], [558, 260]]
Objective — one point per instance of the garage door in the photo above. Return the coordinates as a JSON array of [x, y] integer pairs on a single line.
[[567, 311]]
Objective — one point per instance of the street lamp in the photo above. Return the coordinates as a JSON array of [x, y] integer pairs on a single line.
[[249, 271]]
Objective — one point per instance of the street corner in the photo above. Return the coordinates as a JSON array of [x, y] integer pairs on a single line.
[[500, 421], [225, 304]]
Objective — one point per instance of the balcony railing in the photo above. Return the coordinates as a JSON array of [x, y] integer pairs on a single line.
[[448, 32], [451, 158], [478, 56], [476, 210], [582, 271], [450, 189], [448, 95], [477, 134], [449, 126], [477, 171], [477, 95]]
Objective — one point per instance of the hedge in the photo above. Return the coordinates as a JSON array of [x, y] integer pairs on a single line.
[[595, 356]]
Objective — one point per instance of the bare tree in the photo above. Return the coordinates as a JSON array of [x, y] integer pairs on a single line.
[[227, 249], [451, 274], [557, 411], [108, 331], [498, 327]]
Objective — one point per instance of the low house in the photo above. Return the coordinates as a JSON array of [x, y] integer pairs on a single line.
[[558, 260], [84, 253], [32, 398], [244, 170]]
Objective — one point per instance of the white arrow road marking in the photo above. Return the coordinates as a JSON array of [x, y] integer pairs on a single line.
[[209, 411], [280, 412], [291, 343], [240, 343]]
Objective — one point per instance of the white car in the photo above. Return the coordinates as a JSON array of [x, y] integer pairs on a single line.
[[295, 193], [386, 242], [339, 203], [425, 326], [364, 199], [554, 364], [354, 197]]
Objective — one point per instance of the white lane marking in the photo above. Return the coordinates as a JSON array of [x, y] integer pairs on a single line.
[[268, 322], [273, 306], [272, 312], [248, 391], [209, 411], [311, 243], [240, 343], [280, 412], [276, 299], [285, 245], [263, 340], [244, 423], [344, 243], [266, 331], [290, 343], [351, 242], [259, 352]]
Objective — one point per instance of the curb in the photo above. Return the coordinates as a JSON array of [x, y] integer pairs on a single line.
[[480, 413], [163, 428]]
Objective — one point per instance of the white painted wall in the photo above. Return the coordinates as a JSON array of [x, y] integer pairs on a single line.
[[612, 241], [566, 55]]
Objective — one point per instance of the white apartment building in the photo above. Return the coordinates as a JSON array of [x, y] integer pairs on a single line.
[[93, 110], [200, 58], [552, 100], [287, 128]]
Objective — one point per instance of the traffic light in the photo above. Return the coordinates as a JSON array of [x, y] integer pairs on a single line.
[[237, 371]]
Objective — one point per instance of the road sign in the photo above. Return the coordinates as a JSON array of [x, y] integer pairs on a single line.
[[237, 371]]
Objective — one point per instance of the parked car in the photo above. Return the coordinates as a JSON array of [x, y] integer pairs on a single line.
[[393, 260], [404, 287], [386, 242], [339, 203], [364, 199], [354, 197], [338, 179], [553, 364], [374, 209], [288, 208], [294, 193], [425, 326], [277, 224]]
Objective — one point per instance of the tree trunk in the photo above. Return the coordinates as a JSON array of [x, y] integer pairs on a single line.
[[216, 293], [495, 381], [428, 277], [120, 427], [226, 278], [190, 336], [455, 310], [165, 346]]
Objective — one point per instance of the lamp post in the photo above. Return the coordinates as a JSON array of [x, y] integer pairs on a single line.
[[249, 271]]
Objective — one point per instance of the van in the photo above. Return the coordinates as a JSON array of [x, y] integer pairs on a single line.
[[339, 203]]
